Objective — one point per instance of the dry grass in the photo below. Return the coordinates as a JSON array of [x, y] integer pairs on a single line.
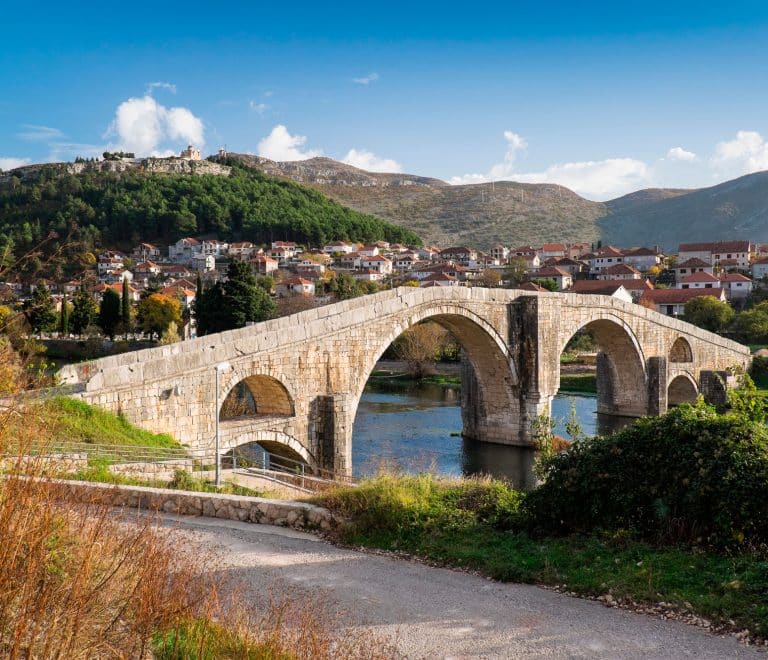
[[81, 581]]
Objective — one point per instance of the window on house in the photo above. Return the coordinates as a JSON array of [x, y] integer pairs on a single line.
[[670, 310], [685, 286], [707, 286]]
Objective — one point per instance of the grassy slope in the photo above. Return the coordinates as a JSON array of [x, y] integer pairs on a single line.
[[456, 523], [75, 421]]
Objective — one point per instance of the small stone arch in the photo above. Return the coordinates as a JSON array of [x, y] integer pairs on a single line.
[[621, 373], [681, 351], [257, 395], [682, 389], [274, 442]]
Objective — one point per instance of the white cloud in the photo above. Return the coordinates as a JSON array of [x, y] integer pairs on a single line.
[[258, 108], [35, 133], [367, 160], [160, 85], [746, 153], [601, 179], [503, 170], [366, 80], [678, 153], [142, 125], [281, 145], [8, 163]]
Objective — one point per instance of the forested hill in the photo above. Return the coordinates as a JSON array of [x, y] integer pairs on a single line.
[[120, 208]]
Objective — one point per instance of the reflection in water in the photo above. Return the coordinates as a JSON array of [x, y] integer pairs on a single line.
[[416, 428]]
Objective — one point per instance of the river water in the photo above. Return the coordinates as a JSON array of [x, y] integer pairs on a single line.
[[416, 428]]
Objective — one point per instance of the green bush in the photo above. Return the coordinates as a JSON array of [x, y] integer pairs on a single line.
[[690, 476]]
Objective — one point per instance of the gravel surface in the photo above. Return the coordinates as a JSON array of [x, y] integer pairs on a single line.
[[432, 612]]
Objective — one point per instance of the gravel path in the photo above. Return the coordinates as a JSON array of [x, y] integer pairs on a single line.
[[433, 612]]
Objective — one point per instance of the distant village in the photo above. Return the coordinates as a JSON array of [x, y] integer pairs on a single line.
[[727, 270]]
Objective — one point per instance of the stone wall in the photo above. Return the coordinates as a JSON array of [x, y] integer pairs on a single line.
[[258, 510]]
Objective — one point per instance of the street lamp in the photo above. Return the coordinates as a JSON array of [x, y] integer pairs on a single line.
[[221, 368]]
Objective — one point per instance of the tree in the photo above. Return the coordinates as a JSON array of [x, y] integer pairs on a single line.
[[516, 271], [109, 312], [64, 317], [344, 287], [125, 307], [548, 283], [245, 301], [83, 311], [490, 278], [752, 325], [208, 308], [420, 346], [157, 312], [170, 335], [40, 310], [708, 313]]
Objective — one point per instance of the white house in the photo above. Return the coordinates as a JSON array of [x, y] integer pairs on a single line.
[[339, 247], [378, 263], [690, 266], [736, 285], [263, 264], [620, 272], [242, 250], [672, 301], [716, 251], [605, 257], [614, 288], [500, 252], [556, 250], [295, 286], [214, 248], [203, 263], [643, 258], [561, 277], [183, 249], [760, 269], [698, 281]]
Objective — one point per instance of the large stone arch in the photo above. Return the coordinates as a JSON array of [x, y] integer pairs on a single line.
[[490, 402], [682, 388], [681, 351], [621, 367], [256, 395]]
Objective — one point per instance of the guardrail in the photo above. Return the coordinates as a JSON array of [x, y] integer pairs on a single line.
[[137, 459]]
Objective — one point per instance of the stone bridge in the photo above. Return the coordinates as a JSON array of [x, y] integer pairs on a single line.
[[294, 383]]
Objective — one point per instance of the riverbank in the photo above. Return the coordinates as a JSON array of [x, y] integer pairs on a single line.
[[574, 378]]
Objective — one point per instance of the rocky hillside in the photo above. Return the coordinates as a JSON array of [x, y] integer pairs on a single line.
[[481, 214], [516, 213]]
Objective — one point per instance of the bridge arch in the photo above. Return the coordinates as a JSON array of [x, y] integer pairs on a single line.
[[490, 403], [275, 442], [682, 389], [681, 351], [621, 372], [256, 395]]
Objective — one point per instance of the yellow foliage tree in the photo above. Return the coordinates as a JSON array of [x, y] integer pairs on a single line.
[[158, 311]]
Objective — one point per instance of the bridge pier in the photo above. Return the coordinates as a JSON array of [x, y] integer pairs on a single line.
[[332, 417], [658, 376]]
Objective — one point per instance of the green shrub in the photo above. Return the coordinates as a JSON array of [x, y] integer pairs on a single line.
[[689, 476]]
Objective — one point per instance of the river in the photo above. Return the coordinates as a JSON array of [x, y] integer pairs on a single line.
[[416, 428]]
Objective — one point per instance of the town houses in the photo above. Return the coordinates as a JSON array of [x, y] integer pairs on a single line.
[[729, 270]]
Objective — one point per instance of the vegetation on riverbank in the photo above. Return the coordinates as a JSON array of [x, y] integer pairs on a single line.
[[581, 383], [668, 510]]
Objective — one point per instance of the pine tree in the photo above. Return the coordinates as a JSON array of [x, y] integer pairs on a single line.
[[109, 312], [245, 301], [83, 311], [64, 317], [40, 310], [125, 307]]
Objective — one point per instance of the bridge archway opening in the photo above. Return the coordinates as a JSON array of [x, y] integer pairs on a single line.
[[682, 389], [434, 379], [681, 351], [257, 396], [603, 357]]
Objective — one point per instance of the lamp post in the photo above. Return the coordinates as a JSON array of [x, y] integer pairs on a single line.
[[221, 368]]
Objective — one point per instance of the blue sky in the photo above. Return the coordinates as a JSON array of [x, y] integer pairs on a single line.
[[602, 97]]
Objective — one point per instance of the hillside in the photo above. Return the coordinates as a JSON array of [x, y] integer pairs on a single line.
[[730, 210], [117, 204], [516, 213], [480, 214]]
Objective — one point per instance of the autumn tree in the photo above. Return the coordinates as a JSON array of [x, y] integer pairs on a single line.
[[516, 271], [421, 346], [157, 312], [490, 278]]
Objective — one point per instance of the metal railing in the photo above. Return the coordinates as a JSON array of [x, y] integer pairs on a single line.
[[151, 461]]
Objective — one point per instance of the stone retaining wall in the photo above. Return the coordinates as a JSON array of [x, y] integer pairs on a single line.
[[214, 505]]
